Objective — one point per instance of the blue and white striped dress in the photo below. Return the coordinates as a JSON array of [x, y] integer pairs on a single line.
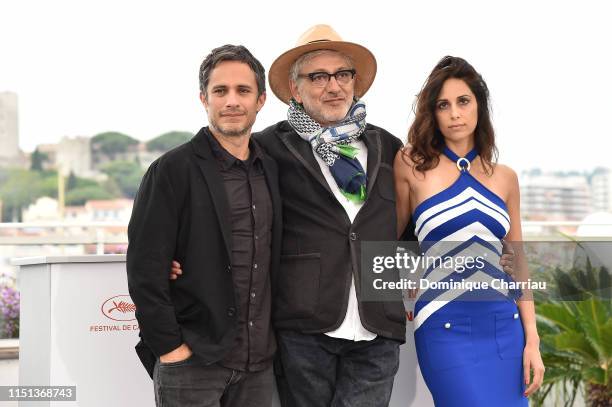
[[469, 342]]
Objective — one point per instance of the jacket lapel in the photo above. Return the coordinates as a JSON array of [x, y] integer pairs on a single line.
[[302, 151], [271, 174], [371, 139], [212, 175]]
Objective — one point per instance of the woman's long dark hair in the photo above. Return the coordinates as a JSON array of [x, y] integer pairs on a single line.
[[424, 135]]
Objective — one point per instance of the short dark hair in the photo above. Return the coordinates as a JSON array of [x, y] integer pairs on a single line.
[[232, 53]]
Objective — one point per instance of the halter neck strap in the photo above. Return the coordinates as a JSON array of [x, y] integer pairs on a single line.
[[463, 163]]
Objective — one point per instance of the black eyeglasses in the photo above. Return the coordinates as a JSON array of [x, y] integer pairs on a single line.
[[320, 79]]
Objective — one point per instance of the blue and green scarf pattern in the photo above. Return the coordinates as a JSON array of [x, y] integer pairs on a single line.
[[333, 145]]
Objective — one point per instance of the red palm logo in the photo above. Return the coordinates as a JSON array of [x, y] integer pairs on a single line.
[[119, 308], [122, 307]]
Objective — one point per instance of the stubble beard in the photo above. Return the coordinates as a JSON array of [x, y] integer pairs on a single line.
[[230, 132], [323, 117]]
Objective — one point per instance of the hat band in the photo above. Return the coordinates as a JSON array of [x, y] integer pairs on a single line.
[[315, 41]]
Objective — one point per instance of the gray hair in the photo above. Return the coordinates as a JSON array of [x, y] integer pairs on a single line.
[[232, 53], [304, 58]]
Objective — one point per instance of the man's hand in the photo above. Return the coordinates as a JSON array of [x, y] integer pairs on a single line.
[[175, 270], [177, 355], [507, 258]]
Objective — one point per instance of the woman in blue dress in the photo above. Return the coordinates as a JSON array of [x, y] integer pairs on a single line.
[[475, 347]]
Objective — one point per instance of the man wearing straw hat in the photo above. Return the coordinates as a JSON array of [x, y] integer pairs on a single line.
[[336, 183]]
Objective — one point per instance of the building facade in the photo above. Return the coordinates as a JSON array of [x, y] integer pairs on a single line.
[[9, 136], [555, 197], [601, 185], [74, 155]]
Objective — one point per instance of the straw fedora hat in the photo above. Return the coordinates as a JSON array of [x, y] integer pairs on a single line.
[[322, 37]]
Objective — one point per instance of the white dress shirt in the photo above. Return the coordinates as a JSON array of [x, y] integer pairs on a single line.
[[351, 328]]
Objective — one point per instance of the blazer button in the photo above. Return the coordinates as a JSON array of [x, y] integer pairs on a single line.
[[231, 311], [353, 236], [228, 268]]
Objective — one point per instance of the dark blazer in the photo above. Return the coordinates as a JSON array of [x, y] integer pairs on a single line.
[[181, 212], [321, 248]]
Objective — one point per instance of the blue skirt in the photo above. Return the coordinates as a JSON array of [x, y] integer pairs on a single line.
[[471, 354]]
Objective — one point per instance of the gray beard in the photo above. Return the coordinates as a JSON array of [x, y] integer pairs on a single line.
[[320, 117]]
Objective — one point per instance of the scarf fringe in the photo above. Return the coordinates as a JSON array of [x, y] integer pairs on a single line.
[[358, 197]]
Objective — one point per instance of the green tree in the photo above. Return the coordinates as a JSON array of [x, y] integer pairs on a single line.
[[80, 195], [71, 181], [576, 332], [168, 141], [112, 187], [46, 185], [112, 143], [37, 160], [126, 175], [22, 187], [74, 182], [577, 348]]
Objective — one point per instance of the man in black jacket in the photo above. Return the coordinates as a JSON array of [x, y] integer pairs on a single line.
[[212, 204], [336, 183]]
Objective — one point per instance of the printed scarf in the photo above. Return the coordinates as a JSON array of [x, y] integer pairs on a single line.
[[333, 145]]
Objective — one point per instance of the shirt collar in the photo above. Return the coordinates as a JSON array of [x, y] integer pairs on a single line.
[[226, 159]]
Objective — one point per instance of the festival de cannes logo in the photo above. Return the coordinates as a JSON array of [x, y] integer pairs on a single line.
[[119, 308]]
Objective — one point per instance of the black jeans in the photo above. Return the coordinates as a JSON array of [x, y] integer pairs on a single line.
[[321, 371], [192, 383]]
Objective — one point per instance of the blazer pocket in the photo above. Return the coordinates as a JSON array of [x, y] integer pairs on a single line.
[[298, 285], [509, 335], [395, 311], [449, 342]]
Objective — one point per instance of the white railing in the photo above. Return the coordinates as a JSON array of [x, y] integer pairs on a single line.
[[115, 233], [64, 233], [561, 230]]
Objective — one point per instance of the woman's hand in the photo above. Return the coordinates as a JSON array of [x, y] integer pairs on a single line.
[[532, 361], [175, 270]]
